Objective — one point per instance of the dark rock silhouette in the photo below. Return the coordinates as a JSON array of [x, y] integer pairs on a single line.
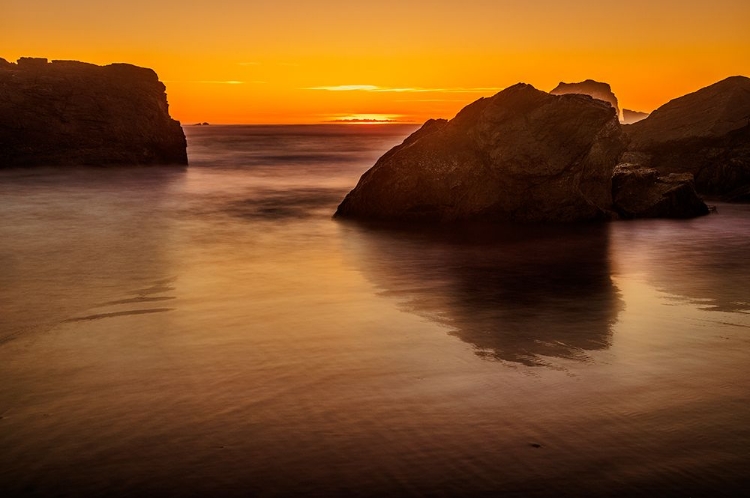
[[640, 192], [706, 133], [74, 113], [595, 89], [522, 155], [630, 117]]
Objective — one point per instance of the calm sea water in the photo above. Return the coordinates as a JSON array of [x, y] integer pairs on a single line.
[[212, 331]]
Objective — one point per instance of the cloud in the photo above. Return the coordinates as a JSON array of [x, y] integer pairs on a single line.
[[211, 82], [345, 88], [363, 120], [220, 82], [255, 63], [381, 89], [217, 82], [430, 100]]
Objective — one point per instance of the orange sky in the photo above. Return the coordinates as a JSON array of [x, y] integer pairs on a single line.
[[247, 61]]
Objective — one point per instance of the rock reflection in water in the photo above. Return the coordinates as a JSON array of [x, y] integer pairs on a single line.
[[517, 294]]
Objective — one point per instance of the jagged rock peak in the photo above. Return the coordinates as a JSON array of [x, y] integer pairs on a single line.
[[595, 89]]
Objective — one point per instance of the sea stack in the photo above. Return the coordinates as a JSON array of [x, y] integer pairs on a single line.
[[706, 133], [72, 113], [630, 117], [596, 89], [522, 155]]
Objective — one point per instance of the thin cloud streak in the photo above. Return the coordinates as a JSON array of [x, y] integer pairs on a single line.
[[214, 82], [380, 89], [345, 88], [230, 82], [363, 120], [430, 100]]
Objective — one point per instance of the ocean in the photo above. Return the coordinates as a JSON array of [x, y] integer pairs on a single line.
[[213, 331]]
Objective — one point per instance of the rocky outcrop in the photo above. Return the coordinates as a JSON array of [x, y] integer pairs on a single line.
[[640, 192], [706, 133], [523, 155], [74, 113], [630, 117], [596, 89]]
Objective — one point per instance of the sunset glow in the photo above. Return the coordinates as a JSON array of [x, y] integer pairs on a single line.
[[367, 118], [304, 62], [385, 248]]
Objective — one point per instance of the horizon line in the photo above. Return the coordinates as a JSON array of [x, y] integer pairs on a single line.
[[332, 122]]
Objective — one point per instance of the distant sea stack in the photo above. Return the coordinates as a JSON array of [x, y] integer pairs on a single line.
[[596, 89], [522, 155], [706, 133], [630, 117], [74, 113]]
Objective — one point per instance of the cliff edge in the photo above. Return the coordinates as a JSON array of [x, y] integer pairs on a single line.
[[75, 113]]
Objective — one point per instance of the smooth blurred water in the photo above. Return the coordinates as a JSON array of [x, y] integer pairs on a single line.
[[212, 331]]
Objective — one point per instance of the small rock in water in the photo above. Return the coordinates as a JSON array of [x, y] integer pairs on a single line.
[[641, 192], [535, 445]]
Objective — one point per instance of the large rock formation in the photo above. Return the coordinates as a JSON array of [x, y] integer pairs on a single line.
[[73, 113], [706, 133], [643, 193], [522, 155], [596, 89]]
